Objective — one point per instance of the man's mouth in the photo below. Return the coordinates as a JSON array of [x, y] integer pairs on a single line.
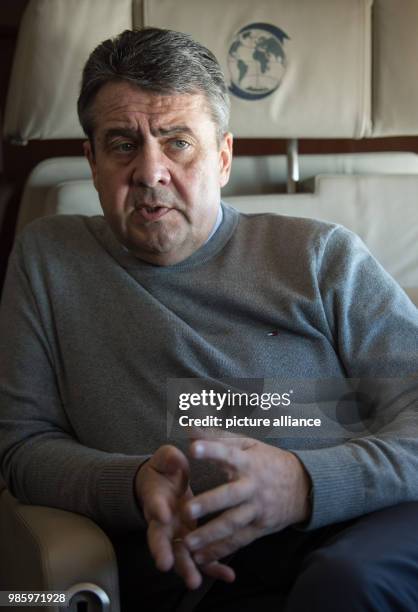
[[152, 213]]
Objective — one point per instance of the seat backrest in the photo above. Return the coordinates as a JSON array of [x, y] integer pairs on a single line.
[[286, 79]]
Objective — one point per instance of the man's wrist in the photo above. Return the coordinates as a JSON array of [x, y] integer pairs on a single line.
[[138, 480]]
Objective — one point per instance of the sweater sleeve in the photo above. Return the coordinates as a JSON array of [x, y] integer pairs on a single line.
[[374, 327], [40, 457]]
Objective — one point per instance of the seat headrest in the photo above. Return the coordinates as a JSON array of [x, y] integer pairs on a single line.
[[285, 75], [294, 69], [54, 41], [395, 60]]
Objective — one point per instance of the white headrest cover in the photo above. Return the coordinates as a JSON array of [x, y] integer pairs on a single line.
[[55, 39], [395, 61], [287, 77]]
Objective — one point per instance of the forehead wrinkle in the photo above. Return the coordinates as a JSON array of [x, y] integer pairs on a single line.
[[123, 98], [120, 106], [135, 101]]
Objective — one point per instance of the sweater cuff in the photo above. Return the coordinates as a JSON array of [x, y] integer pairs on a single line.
[[117, 503], [338, 485]]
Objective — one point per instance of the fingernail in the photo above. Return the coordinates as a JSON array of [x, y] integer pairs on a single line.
[[195, 510], [199, 449], [199, 559]]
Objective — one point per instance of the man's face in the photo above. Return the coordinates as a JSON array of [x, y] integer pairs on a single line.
[[158, 170]]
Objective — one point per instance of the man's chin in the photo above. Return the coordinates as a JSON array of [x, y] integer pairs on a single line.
[[162, 253]]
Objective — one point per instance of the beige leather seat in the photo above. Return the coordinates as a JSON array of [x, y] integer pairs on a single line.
[[52, 550]]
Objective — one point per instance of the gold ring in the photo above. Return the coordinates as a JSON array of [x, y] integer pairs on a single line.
[[177, 540]]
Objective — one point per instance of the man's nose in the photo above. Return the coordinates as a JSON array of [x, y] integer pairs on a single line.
[[151, 167]]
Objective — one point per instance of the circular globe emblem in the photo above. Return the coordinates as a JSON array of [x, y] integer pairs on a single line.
[[257, 61]]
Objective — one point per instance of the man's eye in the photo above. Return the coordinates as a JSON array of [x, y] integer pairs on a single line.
[[124, 147], [181, 144]]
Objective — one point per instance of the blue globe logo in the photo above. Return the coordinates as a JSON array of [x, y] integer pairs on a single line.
[[257, 61]]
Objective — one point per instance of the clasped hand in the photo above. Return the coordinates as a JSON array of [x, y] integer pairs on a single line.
[[267, 490]]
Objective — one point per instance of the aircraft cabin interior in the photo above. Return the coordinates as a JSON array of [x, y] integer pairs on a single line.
[[324, 114]]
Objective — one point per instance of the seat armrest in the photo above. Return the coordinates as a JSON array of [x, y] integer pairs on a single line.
[[45, 548]]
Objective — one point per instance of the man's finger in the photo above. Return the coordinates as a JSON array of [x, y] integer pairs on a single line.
[[222, 527], [164, 474], [223, 548], [160, 545], [186, 567], [156, 506], [219, 571], [169, 460], [230, 455], [222, 497]]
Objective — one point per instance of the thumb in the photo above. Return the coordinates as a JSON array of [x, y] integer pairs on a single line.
[[165, 474], [169, 461]]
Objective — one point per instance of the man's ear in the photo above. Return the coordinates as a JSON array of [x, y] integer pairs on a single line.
[[225, 158], [88, 152]]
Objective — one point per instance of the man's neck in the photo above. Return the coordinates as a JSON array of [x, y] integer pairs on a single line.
[[218, 221]]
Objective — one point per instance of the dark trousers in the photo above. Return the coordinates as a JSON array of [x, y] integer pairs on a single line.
[[367, 564]]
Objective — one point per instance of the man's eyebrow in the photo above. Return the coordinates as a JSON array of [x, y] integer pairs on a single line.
[[173, 129], [157, 131], [125, 132]]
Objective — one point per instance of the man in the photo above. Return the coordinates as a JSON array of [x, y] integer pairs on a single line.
[[98, 313]]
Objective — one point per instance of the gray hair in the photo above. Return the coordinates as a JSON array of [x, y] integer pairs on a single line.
[[162, 61]]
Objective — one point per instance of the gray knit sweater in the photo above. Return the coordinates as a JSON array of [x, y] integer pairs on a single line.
[[89, 335]]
